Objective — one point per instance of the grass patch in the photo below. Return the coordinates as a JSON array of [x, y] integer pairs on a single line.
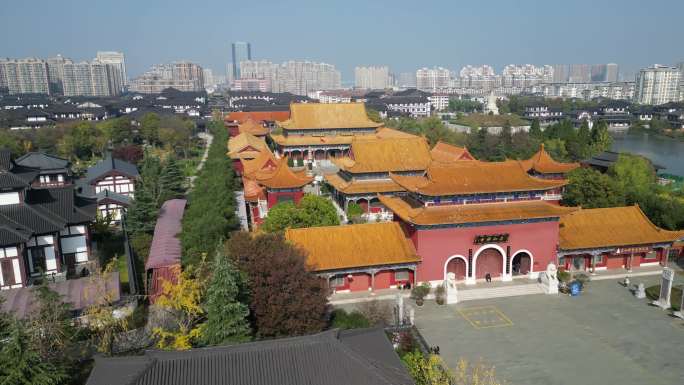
[[485, 120], [653, 292], [122, 267]]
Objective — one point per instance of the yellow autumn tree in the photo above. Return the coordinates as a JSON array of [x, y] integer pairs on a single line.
[[431, 370], [182, 300], [103, 325]]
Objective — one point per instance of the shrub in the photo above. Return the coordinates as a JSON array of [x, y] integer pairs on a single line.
[[440, 295], [563, 275], [340, 319], [376, 312], [420, 292]]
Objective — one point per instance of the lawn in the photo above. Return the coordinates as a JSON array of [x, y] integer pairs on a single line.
[[653, 292], [485, 120]]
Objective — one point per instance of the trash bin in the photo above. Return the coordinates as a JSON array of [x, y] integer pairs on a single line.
[[575, 289]]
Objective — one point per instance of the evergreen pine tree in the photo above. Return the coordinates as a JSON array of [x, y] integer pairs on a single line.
[[20, 363], [150, 172], [170, 181], [142, 214], [226, 315], [535, 130]]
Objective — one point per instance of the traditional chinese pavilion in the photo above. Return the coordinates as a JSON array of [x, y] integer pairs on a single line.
[[608, 238], [245, 146], [446, 153], [249, 126], [365, 172], [268, 181], [542, 165], [318, 131]]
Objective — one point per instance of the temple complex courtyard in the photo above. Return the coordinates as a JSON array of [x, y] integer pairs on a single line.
[[604, 336]]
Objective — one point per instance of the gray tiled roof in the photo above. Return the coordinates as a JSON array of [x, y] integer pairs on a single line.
[[108, 164], [358, 357], [43, 161]]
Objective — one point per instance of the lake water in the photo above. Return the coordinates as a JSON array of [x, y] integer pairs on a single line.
[[662, 151]]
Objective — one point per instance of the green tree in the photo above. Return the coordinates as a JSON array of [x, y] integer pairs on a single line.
[[22, 364], [600, 138], [591, 189], [285, 298], [10, 141], [51, 325], [535, 130], [142, 214], [150, 173], [312, 211], [226, 314], [635, 175], [170, 181], [556, 148], [149, 128], [79, 142]]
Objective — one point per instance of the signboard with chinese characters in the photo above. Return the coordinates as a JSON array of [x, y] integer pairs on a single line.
[[632, 250], [490, 238]]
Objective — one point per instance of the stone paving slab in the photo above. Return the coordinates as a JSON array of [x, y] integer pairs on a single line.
[[605, 336]]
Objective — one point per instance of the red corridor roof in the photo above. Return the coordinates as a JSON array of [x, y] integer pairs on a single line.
[[166, 247]]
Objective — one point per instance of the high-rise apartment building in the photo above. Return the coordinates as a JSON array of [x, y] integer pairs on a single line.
[[406, 80], [612, 71], [56, 73], [374, 78], [183, 76], [88, 79], [24, 76], [432, 78], [560, 73], [117, 68], [579, 73], [241, 51], [296, 77], [657, 85]]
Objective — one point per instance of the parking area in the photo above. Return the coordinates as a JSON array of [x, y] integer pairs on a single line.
[[605, 336]]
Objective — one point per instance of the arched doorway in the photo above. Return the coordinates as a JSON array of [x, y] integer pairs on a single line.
[[456, 265], [521, 263], [489, 260]]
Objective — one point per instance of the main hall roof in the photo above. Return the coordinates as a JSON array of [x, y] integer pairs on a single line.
[[322, 116], [474, 177], [388, 154]]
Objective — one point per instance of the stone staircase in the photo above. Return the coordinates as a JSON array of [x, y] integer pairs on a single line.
[[499, 292]]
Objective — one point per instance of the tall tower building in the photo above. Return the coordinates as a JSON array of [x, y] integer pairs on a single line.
[[242, 51], [657, 85], [432, 78]]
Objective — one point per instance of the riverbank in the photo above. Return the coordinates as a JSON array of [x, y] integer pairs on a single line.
[[665, 152]]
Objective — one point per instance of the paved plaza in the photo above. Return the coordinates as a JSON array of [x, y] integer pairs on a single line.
[[605, 336]]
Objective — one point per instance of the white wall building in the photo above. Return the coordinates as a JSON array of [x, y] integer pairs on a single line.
[[657, 85], [436, 78]]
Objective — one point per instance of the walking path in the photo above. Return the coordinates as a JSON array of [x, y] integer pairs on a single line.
[[208, 138], [519, 286]]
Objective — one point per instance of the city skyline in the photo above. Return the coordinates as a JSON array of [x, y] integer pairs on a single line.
[[513, 33]]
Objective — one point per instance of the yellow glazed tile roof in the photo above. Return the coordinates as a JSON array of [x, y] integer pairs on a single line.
[[543, 163], [473, 176], [445, 153], [263, 161], [362, 187], [388, 154], [611, 227], [353, 246], [415, 213], [281, 177], [334, 115], [252, 127], [245, 145]]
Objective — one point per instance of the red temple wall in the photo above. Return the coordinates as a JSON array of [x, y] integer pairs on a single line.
[[237, 166], [273, 197], [359, 282], [435, 246]]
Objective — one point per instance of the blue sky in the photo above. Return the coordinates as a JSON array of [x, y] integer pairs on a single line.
[[402, 34]]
